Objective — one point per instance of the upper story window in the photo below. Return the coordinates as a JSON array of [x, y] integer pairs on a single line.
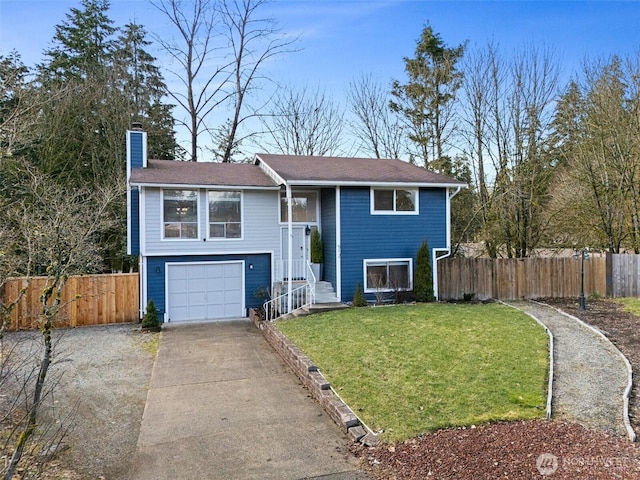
[[225, 214], [180, 213], [303, 207], [394, 200]]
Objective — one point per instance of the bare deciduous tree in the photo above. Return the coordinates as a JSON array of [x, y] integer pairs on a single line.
[[56, 231], [304, 122], [253, 42], [597, 200], [509, 112], [203, 68], [377, 128], [224, 46]]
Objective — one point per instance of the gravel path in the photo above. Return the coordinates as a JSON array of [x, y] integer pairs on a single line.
[[590, 375]]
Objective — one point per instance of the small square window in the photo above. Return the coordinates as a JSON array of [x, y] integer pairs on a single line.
[[303, 207], [399, 201]]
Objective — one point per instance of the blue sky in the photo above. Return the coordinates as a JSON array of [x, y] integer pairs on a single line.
[[343, 39]]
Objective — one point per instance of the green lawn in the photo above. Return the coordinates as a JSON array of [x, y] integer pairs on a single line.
[[411, 369], [631, 305]]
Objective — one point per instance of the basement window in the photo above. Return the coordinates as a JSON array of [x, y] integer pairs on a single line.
[[388, 275]]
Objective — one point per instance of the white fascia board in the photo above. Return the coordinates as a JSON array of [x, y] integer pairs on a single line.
[[326, 183], [270, 172], [191, 253], [191, 186]]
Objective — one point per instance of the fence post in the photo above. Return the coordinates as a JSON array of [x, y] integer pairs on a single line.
[[609, 274]]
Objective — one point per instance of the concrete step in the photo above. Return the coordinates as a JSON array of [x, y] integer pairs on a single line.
[[326, 299], [324, 287]]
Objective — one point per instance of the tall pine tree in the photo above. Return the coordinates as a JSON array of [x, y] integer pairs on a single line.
[[141, 81], [426, 99]]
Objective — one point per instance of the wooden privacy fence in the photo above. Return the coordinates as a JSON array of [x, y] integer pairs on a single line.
[[623, 275], [517, 278], [86, 300]]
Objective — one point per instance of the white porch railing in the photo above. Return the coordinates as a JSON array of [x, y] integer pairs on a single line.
[[301, 296], [279, 306], [298, 270], [311, 278]]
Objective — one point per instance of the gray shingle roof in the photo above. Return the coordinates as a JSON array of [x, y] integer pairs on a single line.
[[339, 170], [168, 172], [300, 170]]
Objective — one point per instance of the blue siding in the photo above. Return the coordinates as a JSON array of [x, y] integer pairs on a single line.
[[136, 143], [134, 222], [366, 236], [328, 223], [258, 277], [135, 157]]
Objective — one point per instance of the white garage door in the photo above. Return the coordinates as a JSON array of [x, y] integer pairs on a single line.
[[205, 291]]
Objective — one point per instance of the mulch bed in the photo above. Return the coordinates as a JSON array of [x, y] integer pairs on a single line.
[[528, 449]]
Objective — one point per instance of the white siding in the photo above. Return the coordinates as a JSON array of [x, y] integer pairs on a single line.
[[261, 231]]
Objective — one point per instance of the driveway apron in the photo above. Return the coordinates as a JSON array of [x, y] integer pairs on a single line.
[[222, 405]]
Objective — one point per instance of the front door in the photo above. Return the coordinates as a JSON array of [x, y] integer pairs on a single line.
[[300, 253]]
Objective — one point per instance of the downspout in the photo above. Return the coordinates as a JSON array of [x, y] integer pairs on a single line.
[[447, 251], [338, 246], [289, 248]]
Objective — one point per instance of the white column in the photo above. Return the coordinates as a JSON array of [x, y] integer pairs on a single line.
[[289, 248]]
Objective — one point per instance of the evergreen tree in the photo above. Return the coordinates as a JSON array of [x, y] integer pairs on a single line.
[[358, 297], [139, 78], [426, 100], [17, 103], [83, 45], [150, 320], [96, 86], [423, 286]]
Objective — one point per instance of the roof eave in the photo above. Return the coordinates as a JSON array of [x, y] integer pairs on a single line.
[[328, 183], [203, 185]]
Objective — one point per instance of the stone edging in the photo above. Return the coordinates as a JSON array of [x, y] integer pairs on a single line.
[[316, 384]]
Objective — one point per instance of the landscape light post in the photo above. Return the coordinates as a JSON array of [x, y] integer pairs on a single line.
[[583, 254]]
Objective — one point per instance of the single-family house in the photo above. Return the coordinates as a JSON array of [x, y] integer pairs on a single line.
[[213, 237]]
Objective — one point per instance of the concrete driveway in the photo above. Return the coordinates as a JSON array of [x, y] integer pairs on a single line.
[[222, 405]]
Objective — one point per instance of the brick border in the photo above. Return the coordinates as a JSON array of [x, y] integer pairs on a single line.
[[315, 383]]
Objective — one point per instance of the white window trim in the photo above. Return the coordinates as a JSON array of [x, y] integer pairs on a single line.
[[208, 228], [416, 191], [293, 194], [174, 239], [368, 261]]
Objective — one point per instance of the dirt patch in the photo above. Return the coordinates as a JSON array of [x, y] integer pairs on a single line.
[[528, 449]]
